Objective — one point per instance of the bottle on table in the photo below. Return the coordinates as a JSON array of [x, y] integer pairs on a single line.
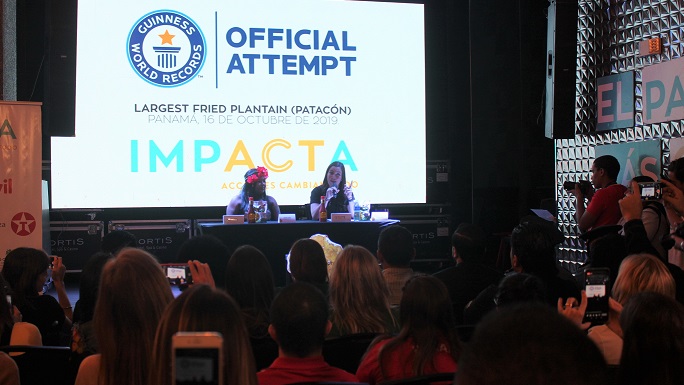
[[251, 213], [323, 215]]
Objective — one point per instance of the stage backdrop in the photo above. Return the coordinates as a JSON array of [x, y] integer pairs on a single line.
[[20, 176], [176, 100]]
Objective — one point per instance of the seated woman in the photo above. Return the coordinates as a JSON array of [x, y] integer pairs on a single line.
[[26, 270], [133, 294], [359, 296], [12, 330], [202, 308], [653, 326], [339, 197], [638, 273], [249, 280], [427, 342], [255, 187]]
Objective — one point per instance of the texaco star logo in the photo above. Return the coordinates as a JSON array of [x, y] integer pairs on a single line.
[[23, 224]]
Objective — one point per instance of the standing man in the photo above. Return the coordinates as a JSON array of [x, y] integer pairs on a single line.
[[603, 208]]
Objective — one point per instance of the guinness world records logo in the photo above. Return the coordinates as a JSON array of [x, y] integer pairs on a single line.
[[166, 48]]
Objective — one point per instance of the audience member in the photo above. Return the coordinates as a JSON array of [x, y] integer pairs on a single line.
[[653, 217], [83, 341], [207, 249], [529, 344], [12, 330], [133, 294], [636, 239], [532, 252], [116, 240], [249, 281], [653, 346], [9, 372], [638, 273], [359, 297], [83, 335], [26, 270], [470, 275], [518, 288], [202, 308], [427, 342], [255, 187], [9, 314], [675, 174], [607, 250], [307, 263], [603, 206], [299, 323], [395, 252]]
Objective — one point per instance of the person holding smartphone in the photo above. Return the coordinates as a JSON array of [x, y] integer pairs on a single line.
[[204, 326]]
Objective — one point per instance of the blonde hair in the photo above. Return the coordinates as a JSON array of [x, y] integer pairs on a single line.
[[358, 294], [133, 294], [640, 273], [203, 308]]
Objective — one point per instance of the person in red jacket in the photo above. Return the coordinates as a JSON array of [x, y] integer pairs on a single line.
[[603, 208]]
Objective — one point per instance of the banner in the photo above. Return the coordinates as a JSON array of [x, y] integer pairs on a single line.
[[615, 107], [20, 176], [663, 95], [638, 158]]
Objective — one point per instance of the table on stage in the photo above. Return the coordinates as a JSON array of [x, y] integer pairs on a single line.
[[275, 239]]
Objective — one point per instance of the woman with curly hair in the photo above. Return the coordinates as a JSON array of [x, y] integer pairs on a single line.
[[255, 187]]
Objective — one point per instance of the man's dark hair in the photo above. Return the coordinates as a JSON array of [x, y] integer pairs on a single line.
[[207, 249], [534, 246], [469, 241], [677, 168], [530, 344], [396, 245], [116, 240], [518, 288], [610, 164], [299, 315]]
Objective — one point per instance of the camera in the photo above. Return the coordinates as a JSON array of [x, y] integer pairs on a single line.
[[651, 190], [585, 186]]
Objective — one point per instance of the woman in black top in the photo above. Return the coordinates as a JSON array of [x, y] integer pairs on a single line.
[[339, 197], [255, 187], [26, 270]]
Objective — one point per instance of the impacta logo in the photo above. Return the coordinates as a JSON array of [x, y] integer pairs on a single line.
[[166, 48]]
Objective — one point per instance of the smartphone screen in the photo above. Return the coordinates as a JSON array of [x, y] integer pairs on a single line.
[[197, 358], [596, 284], [178, 274]]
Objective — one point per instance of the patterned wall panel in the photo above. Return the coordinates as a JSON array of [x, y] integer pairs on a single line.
[[608, 36]]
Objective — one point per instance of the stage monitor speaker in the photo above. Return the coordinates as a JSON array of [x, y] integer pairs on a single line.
[[561, 59], [60, 68]]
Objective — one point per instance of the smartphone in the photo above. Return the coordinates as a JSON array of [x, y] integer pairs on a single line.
[[178, 273], [597, 286], [651, 190], [197, 358]]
